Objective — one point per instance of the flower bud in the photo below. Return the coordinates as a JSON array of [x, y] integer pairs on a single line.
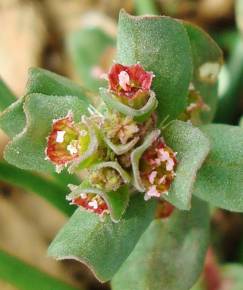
[[130, 83]]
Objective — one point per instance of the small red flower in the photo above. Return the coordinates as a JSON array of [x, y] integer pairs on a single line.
[[157, 169], [91, 202], [129, 81], [62, 142]]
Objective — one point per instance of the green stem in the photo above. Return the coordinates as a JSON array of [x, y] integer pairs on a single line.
[[26, 277], [48, 189], [145, 7], [6, 96], [230, 83]]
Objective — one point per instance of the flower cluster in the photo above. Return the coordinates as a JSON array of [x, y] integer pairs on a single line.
[[103, 144]]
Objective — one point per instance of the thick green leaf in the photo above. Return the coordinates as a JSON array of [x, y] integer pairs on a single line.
[[26, 277], [48, 83], [27, 150], [207, 60], [50, 190], [162, 46], [12, 119], [88, 49], [6, 96], [192, 148], [169, 255], [220, 179], [103, 245]]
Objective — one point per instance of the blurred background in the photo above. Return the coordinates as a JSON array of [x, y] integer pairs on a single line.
[[76, 38]]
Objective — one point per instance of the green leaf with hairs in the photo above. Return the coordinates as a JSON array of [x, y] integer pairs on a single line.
[[170, 254], [13, 120], [90, 49], [27, 150], [161, 45], [220, 179], [192, 147], [102, 244], [207, 61]]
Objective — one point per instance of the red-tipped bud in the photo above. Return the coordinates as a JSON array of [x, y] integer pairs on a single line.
[[129, 81]]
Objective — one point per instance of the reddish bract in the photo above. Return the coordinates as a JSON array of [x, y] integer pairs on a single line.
[[129, 81]]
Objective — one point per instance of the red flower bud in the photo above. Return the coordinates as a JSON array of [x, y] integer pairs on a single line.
[[129, 81], [62, 141]]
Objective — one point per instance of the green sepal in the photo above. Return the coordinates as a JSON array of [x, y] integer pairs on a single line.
[[117, 201], [170, 254], [27, 149], [192, 147], [139, 115], [220, 179], [102, 244], [116, 166], [90, 155], [135, 158], [161, 45]]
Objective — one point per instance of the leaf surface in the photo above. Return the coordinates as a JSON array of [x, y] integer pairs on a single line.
[[169, 255], [102, 245], [192, 147], [220, 179], [161, 45]]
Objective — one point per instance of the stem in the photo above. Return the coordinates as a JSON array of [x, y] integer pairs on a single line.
[[230, 83], [145, 7], [26, 277], [6, 96], [48, 189]]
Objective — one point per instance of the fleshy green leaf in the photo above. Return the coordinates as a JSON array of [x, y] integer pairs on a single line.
[[169, 255], [161, 45], [220, 180], [6, 96], [48, 83], [13, 120], [89, 49], [192, 148], [117, 201], [27, 150], [207, 60], [102, 245], [26, 277]]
